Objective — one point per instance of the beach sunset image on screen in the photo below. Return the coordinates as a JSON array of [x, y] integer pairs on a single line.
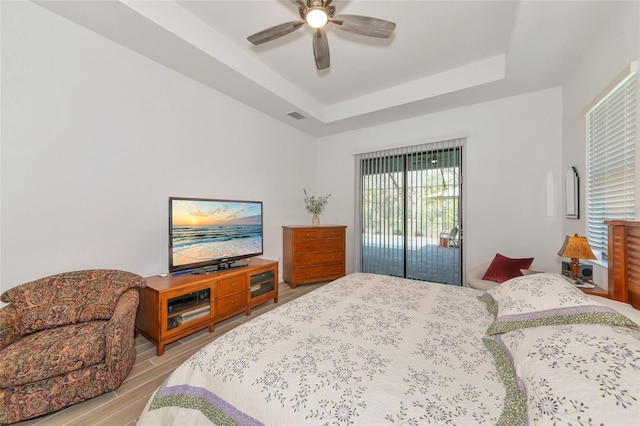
[[209, 230]]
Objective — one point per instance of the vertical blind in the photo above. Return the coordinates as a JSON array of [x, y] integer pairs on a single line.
[[611, 154], [406, 198]]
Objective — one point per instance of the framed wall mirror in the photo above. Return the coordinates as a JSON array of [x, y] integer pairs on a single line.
[[572, 198]]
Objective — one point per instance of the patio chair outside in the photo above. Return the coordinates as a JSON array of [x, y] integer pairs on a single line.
[[449, 239]]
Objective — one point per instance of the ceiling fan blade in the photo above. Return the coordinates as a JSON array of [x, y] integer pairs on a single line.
[[299, 3], [274, 32], [321, 49], [364, 25]]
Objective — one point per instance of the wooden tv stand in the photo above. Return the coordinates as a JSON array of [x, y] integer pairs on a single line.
[[176, 306]]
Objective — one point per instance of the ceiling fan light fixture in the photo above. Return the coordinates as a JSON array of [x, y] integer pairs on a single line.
[[316, 17], [317, 14]]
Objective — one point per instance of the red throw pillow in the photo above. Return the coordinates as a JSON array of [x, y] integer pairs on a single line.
[[503, 268]]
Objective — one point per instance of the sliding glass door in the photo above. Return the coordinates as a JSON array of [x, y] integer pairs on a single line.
[[409, 212]]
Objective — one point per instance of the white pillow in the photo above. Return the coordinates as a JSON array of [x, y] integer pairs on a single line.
[[529, 272], [569, 374], [622, 308], [545, 299]]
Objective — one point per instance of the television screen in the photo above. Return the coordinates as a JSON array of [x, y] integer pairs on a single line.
[[204, 232]]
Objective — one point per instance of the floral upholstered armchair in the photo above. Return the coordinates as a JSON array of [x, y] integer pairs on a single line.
[[64, 339]]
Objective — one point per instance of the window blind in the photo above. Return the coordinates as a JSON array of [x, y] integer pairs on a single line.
[[611, 154], [408, 206]]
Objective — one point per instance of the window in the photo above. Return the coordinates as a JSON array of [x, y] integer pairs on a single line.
[[409, 212], [611, 154]]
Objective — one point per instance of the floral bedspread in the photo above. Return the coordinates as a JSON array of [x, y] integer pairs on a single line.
[[364, 349], [576, 374]]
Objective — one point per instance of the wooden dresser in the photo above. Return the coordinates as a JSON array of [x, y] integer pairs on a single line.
[[313, 253], [624, 261]]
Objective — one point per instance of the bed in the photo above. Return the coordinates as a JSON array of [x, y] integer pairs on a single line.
[[371, 349]]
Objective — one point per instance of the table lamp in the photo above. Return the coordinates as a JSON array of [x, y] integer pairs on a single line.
[[576, 247]]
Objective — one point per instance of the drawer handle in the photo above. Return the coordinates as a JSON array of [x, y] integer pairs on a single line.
[[307, 246], [233, 302], [306, 273], [233, 284]]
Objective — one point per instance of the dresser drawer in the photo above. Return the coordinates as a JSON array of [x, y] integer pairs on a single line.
[[318, 273], [332, 233], [306, 234], [231, 285], [331, 244], [325, 257], [230, 303]]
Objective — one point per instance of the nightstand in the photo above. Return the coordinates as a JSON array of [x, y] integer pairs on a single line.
[[596, 291]]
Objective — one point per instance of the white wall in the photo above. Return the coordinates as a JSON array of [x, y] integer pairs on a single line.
[[95, 138], [512, 145], [615, 47]]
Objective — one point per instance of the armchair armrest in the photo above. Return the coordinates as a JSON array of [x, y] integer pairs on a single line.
[[10, 326], [474, 278], [119, 348]]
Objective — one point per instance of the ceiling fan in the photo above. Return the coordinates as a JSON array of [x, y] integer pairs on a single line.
[[317, 13]]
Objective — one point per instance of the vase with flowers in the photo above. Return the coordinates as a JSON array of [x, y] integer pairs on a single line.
[[315, 205]]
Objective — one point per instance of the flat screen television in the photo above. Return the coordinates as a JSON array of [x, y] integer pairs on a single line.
[[208, 234]]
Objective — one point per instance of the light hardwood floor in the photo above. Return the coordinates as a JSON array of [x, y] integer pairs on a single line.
[[124, 405]]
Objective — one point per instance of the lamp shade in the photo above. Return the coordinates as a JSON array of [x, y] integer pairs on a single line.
[[576, 247]]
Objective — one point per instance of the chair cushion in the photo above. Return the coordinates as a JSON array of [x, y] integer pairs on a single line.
[[52, 352], [503, 268], [70, 297]]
